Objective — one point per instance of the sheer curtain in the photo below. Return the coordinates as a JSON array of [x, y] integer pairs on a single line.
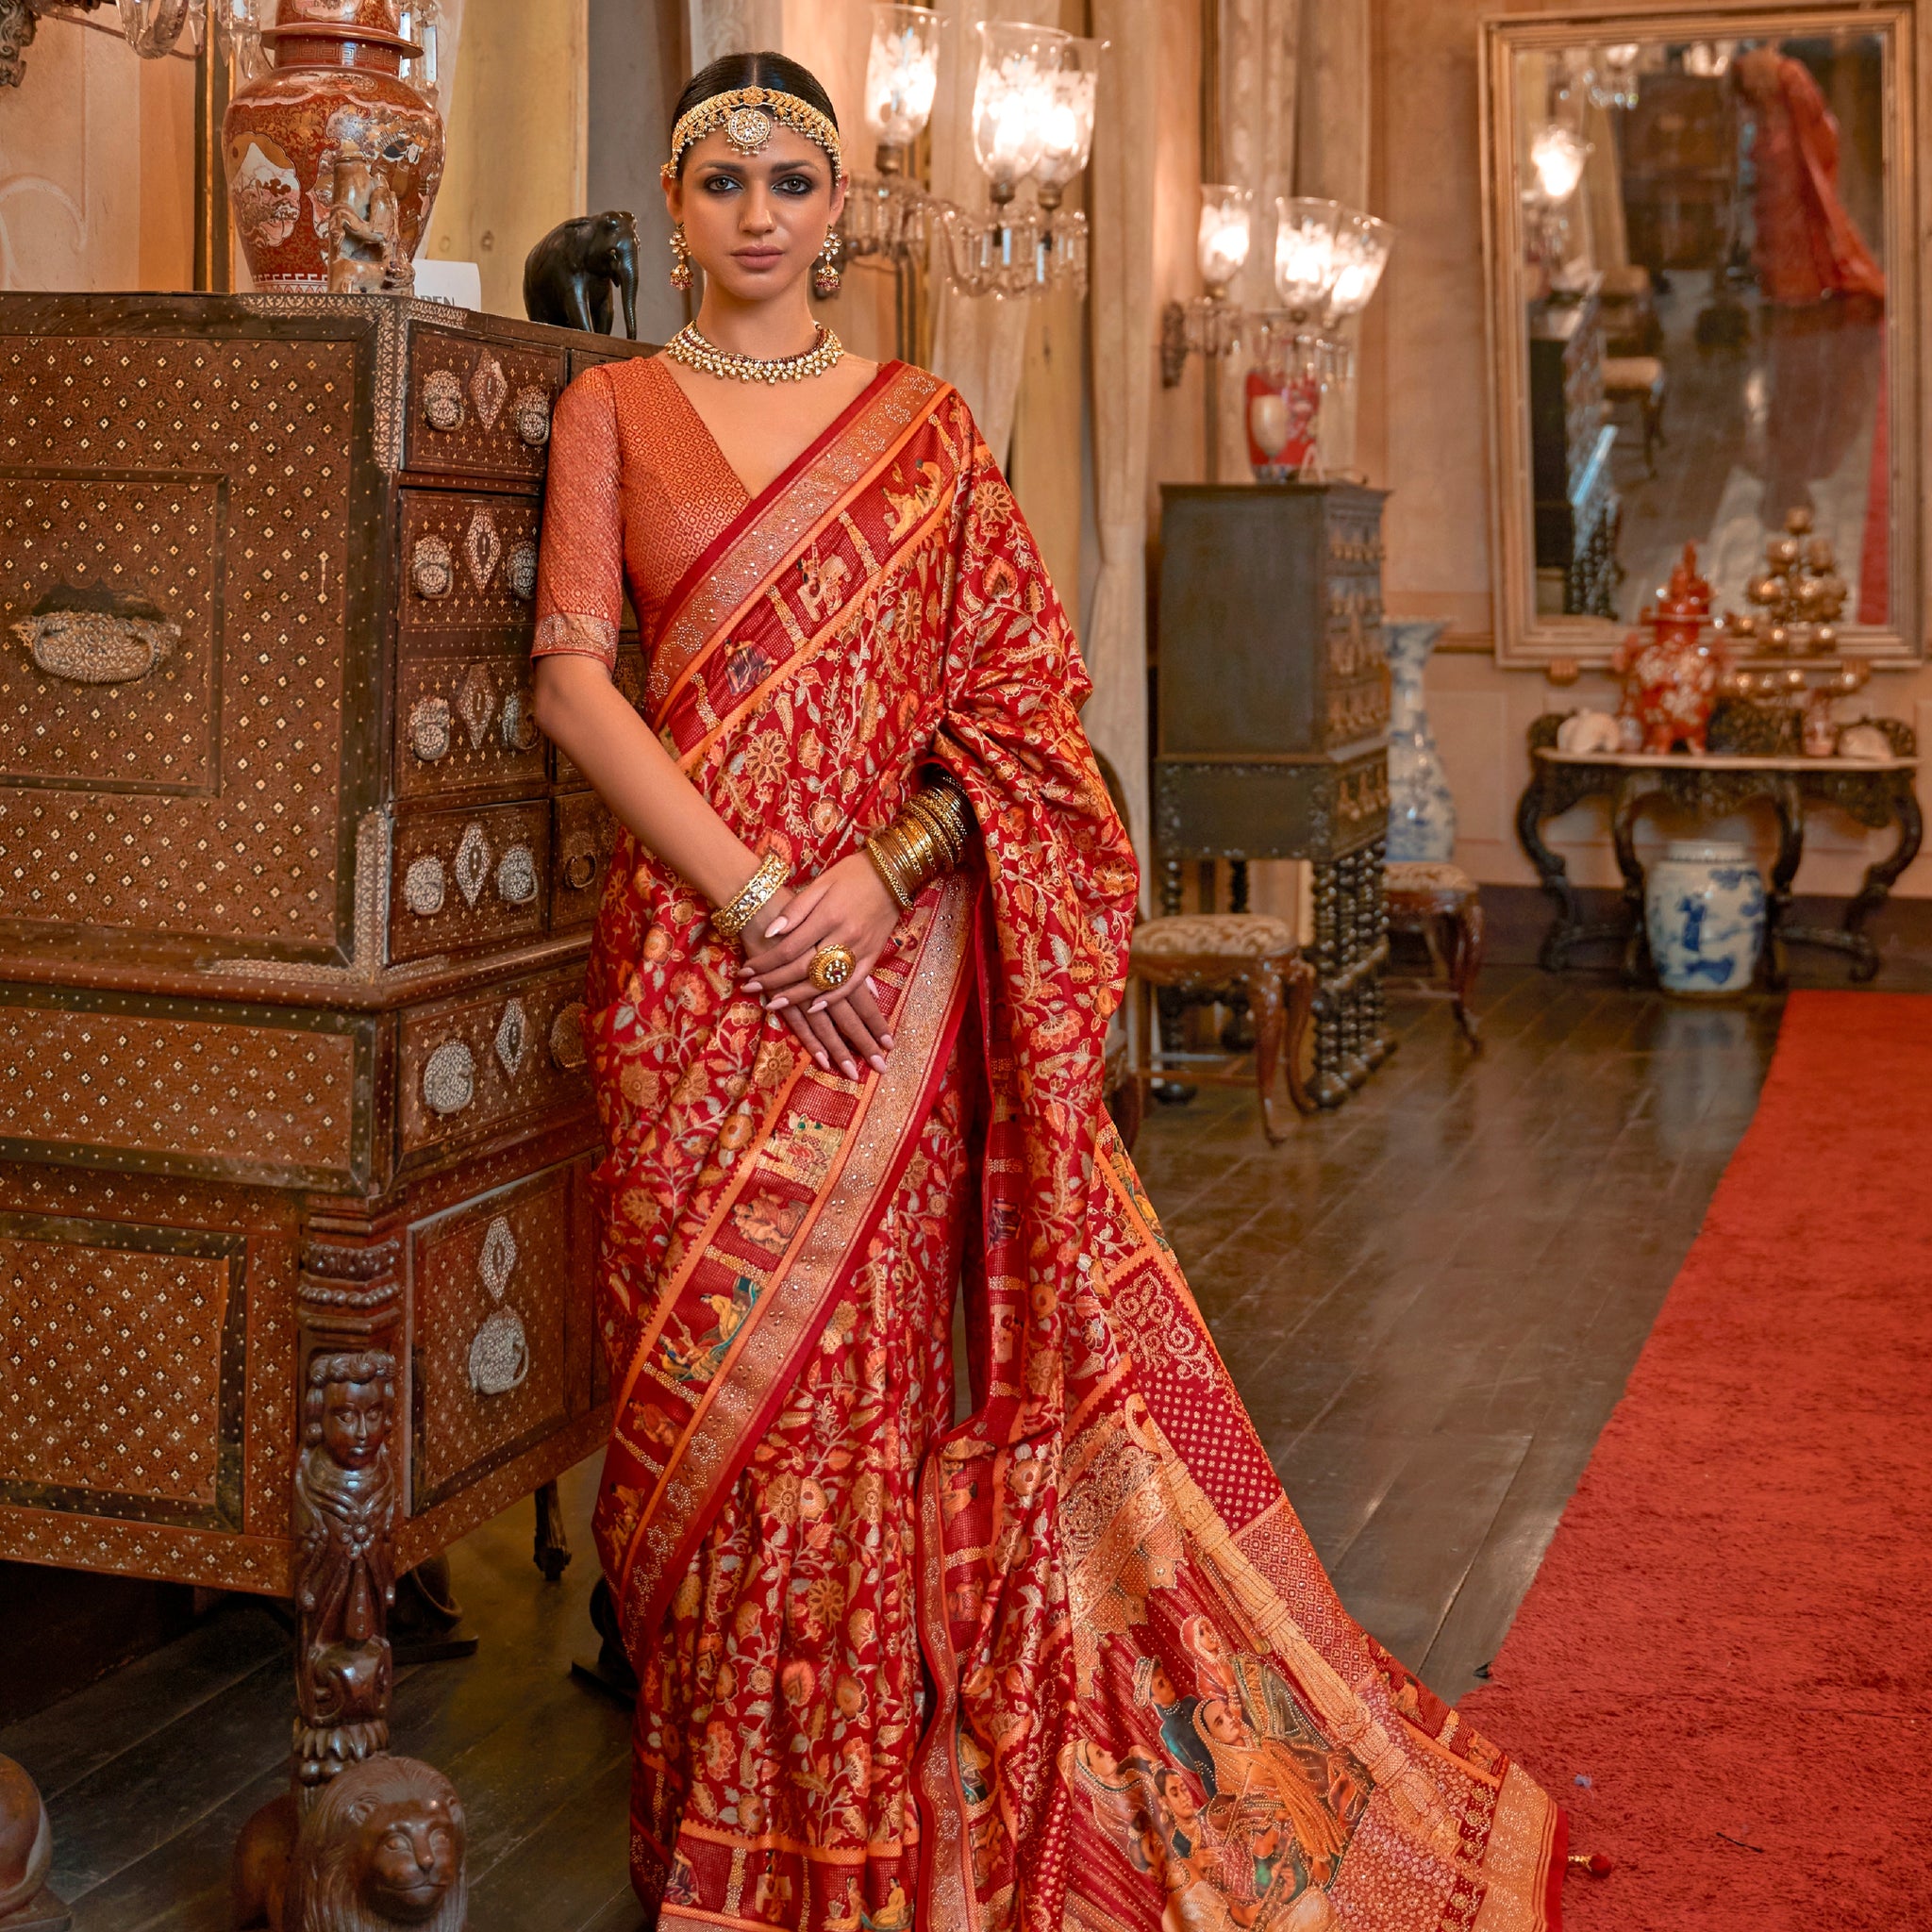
[[1120, 201]]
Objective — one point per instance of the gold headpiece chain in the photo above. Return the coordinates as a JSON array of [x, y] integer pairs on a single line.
[[747, 115]]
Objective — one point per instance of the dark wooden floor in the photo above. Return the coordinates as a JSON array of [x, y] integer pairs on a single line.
[[1431, 1301]]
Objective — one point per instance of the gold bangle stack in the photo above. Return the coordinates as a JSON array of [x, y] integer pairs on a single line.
[[729, 922], [927, 837]]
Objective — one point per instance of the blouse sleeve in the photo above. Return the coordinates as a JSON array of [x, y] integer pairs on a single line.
[[580, 574]]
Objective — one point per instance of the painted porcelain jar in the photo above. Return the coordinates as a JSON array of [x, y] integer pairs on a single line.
[[1704, 910], [333, 160], [1422, 811]]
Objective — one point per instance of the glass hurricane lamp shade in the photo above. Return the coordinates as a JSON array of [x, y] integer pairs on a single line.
[[1308, 252], [1557, 157], [1012, 101], [1226, 234], [902, 73], [1363, 250], [1070, 92]]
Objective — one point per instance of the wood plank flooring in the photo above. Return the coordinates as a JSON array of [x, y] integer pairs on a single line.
[[1431, 1301]]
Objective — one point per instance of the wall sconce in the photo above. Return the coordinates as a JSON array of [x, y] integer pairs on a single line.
[[1033, 110], [1210, 324], [1556, 158]]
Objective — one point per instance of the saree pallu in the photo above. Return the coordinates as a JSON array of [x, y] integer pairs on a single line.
[[1071, 1662]]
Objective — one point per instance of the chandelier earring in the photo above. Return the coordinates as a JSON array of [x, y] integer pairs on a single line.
[[680, 266], [824, 274]]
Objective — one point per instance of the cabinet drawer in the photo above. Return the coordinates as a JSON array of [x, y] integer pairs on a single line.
[[468, 563], [479, 1061], [500, 1329], [581, 846], [464, 879], [480, 409], [463, 721]]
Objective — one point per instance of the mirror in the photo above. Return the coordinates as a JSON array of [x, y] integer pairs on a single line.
[[1703, 324]]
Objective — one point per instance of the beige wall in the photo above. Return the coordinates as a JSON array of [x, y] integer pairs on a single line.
[[96, 166], [1425, 435], [518, 124]]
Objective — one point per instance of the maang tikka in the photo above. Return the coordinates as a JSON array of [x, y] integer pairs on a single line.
[[680, 267], [824, 274]]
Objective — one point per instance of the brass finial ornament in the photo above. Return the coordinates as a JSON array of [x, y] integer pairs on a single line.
[[747, 115]]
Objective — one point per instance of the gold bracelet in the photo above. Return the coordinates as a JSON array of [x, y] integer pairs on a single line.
[[921, 808], [887, 866], [729, 922]]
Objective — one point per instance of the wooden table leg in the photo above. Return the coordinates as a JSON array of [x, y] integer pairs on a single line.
[[1636, 790], [1464, 937], [552, 1553]]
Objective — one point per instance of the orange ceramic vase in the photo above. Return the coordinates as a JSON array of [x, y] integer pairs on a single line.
[[334, 110]]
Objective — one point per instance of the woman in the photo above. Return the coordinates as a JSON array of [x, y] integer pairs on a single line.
[[868, 920]]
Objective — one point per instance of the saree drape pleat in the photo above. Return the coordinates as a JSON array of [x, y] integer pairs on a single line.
[[1070, 1662]]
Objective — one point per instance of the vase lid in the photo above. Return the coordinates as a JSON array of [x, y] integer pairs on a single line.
[[371, 22]]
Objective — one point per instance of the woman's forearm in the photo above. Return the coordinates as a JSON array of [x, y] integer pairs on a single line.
[[588, 719]]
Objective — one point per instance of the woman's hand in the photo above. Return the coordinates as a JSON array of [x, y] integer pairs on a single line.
[[848, 904]]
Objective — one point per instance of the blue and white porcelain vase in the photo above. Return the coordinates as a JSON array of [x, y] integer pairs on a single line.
[[1704, 909], [1422, 811]]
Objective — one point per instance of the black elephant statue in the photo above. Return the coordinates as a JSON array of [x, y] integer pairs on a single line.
[[568, 275]]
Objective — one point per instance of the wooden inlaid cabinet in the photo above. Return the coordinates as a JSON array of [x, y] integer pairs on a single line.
[[294, 909], [1272, 729]]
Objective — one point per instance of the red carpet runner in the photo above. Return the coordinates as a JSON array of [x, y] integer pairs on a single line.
[[1731, 1636]]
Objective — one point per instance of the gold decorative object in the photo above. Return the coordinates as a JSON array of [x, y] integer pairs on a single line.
[[1800, 594], [729, 922], [689, 347], [832, 966], [748, 115]]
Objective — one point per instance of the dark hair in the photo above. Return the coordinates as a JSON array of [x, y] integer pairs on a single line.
[[730, 72]]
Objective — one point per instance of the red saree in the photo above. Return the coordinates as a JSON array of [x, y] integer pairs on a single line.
[[1072, 1662]]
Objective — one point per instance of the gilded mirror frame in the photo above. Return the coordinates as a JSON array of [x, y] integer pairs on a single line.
[[1526, 638]]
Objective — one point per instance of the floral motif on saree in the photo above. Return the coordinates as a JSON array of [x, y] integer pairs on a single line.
[[1070, 1662]]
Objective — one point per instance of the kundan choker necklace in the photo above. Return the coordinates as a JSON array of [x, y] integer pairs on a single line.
[[689, 347]]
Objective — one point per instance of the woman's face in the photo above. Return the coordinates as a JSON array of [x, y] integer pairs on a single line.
[[755, 223]]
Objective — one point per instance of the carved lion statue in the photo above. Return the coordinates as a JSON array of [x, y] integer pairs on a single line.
[[382, 1845]]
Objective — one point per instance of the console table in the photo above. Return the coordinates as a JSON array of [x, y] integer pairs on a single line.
[[1875, 792]]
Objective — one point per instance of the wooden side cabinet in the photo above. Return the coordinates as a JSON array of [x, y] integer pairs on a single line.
[[1272, 723], [295, 1224]]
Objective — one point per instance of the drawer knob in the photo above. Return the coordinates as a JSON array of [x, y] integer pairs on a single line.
[[443, 400], [512, 1038], [532, 412], [567, 1037], [579, 869], [449, 1078], [429, 729], [516, 876], [422, 886], [522, 571], [519, 728], [97, 646], [432, 568], [473, 863]]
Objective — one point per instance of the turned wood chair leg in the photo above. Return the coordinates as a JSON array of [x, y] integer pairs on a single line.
[[1267, 1006], [1466, 962], [552, 1552], [1301, 983]]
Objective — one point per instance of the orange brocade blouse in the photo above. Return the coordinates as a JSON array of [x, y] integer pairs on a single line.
[[638, 491]]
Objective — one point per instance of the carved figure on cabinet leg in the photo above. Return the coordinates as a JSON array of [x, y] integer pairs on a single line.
[[26, 1855], [383, 1845], [567, 277], [345, 1507], [16, 36]]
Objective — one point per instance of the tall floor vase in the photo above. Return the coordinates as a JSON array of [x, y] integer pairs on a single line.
[[1422, 811]]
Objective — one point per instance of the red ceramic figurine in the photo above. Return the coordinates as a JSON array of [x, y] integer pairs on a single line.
[[1670, 669]]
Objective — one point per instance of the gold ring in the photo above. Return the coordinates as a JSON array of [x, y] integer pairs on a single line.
[[832, 966]]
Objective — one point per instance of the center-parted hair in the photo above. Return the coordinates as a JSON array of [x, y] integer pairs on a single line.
[[730, 72]]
